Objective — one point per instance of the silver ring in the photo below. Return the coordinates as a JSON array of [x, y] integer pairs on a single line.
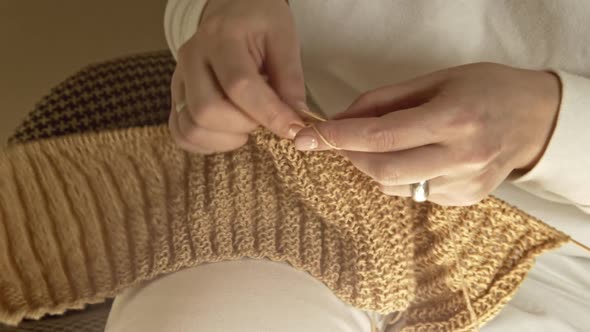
[[180, 107], [420, 191]]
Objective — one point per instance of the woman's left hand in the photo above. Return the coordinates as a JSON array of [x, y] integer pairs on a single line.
[[465, 129]]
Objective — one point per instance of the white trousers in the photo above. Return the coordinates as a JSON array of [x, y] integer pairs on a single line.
[[259, 295]]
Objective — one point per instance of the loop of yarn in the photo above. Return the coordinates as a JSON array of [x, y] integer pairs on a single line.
[[312, 125]]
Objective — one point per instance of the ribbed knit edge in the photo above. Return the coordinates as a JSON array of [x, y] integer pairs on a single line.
[[28, 157]]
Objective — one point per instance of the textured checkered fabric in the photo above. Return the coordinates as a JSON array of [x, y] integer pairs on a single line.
[[127, 92]]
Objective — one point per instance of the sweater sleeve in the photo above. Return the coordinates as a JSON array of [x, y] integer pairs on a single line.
[[181, 20], [563, 173]]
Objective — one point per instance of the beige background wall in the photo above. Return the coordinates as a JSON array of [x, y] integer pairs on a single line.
[[42, 42]]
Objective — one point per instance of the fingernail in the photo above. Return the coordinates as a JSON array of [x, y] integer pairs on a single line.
[[294, 129], [306, 143], [301, 105]]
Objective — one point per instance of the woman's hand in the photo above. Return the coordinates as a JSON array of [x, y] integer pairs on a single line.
[[465, 129], [240, 70]]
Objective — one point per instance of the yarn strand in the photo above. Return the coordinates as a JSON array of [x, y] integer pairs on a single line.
[[311, 125], [580, 244], [465, 290], [313, 115], [395, 318]]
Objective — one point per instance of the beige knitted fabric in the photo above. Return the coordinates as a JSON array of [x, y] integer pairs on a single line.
[[85, 216]]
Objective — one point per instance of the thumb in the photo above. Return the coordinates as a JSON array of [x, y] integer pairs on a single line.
[[284, 70]]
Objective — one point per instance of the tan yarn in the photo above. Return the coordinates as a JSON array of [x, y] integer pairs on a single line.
[[85, 216]]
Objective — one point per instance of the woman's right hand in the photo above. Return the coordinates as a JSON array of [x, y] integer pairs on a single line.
[[241, 69]]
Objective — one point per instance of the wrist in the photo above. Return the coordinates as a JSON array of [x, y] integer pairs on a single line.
[[543, 116]]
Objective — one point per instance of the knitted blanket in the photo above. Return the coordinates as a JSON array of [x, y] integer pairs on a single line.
[[83, 217]]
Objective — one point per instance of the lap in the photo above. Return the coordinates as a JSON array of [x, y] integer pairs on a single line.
[[259, 295], [246, 295]]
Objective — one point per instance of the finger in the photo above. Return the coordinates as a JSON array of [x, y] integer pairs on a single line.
[[443, 200], [399, 191], [455, 190], [466, 189], [404, 191], [471, 184], [177, 96], [207, 106], [207, 139], [284, 68], [442, 189], [239, 77], [395, 131], [446, 200], [408, 94], [179, 139], [403, 167]]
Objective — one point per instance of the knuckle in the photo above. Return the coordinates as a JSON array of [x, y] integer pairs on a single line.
[[380, 138]]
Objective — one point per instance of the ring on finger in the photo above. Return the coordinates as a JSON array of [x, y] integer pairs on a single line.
[[420, 191]]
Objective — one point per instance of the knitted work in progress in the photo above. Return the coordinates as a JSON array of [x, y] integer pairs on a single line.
[[84, 217]]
